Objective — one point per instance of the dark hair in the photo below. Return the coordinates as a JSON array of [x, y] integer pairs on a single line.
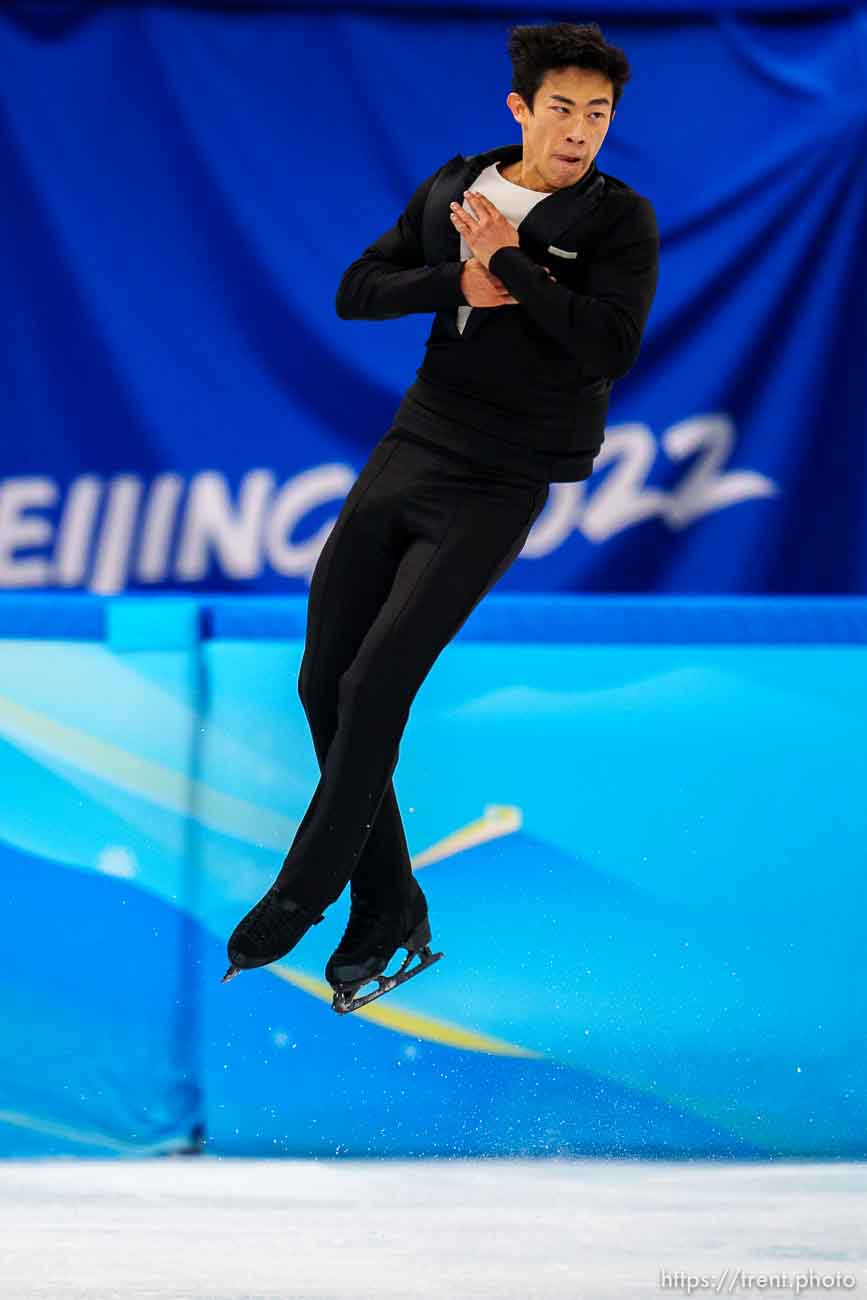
[[536, 50]]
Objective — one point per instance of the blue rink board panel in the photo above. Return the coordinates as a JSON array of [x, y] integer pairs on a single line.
[[642, 849], [505, 617]]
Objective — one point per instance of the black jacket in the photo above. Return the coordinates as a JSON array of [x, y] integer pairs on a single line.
[[526, 387]]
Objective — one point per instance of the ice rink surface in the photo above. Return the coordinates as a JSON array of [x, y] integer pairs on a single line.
[[168, 1229]]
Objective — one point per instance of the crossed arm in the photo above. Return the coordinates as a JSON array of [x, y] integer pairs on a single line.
[[391, 279]]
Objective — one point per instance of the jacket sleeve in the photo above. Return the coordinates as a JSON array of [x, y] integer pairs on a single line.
[[391, 279], [601, 327]]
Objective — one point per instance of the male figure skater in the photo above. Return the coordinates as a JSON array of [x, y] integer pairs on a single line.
[[541, 271]]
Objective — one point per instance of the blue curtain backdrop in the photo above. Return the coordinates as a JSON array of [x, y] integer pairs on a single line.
[[183, 186]]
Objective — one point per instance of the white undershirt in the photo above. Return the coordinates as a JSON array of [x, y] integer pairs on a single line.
[[514, 201]]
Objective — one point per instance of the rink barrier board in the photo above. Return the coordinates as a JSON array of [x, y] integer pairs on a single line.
[[197, 1069], [559, 618]]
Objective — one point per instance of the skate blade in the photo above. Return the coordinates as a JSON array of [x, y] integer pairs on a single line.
[[230, 974], [345, 1001]]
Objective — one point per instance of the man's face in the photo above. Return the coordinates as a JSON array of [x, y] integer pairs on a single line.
[[571, 115]]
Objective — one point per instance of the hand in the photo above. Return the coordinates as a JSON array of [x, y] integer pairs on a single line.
[[486, 230], [481, 289]]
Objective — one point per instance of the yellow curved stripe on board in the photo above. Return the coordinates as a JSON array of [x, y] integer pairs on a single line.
[[411, 1023], [84, 1137], [169, 789], [498, 820]]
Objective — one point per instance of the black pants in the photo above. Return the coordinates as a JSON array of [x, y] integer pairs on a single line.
[[421, 537]]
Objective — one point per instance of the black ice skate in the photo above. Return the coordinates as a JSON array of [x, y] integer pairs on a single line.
[[268, 931], [370, 941]]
